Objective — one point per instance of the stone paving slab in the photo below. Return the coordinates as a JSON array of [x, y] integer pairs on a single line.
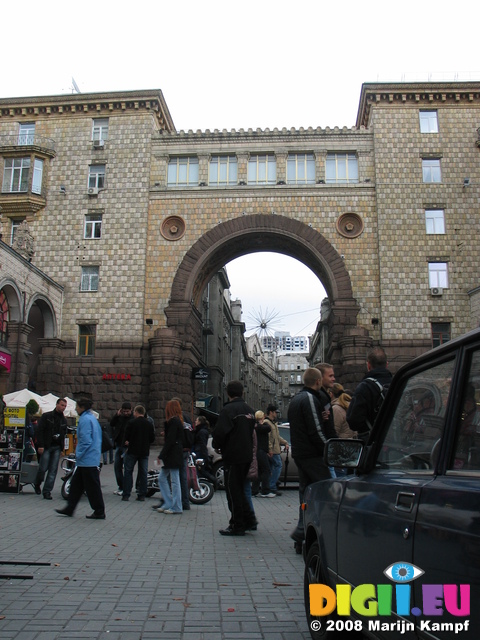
[[144, 575]]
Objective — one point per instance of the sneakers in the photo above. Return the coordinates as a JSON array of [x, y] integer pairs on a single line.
[[268, 495], [170, 511], [229, 531], [160, 509], [118, 492], [38, 489], [125, 498]]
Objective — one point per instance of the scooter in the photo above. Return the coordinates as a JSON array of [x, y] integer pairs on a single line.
[[200, 490]]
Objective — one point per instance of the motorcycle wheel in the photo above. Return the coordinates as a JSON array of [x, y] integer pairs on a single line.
[[65, 491], [204, 493]]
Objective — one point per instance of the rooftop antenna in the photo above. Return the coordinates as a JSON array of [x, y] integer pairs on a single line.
[[75, 88]]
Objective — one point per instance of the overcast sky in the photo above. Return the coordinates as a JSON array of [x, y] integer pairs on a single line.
[[232, 65]]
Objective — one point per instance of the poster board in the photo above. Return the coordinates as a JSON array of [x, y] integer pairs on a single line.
[[12, 441]]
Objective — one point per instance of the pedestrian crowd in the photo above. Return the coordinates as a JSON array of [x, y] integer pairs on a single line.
[[248, 440]]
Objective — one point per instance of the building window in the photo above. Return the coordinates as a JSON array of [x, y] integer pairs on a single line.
[[15, 175], [183, 172], [37, 176], [96, 176], [223, 170], [341, 168], [26, 133], [431, 170], [441, 332], [438, 274], [300, 168], [435, 221], [428, 122], [262, 169], [16, 222], [93, 226], [86, 339], [100, 129], [89, 280]]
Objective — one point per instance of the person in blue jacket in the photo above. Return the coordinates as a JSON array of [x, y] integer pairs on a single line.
[[86, 477]]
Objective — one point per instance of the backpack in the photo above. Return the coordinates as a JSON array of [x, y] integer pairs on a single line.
[[382, 392]]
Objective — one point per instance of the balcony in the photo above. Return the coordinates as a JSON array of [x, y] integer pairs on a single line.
[[13, 143]]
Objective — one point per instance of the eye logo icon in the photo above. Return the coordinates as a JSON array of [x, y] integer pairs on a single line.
[[403, 572]]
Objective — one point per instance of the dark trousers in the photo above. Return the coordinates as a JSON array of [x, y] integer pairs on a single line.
[[86, 479], [263, 481], [142, 473], [118, 466], [235, 476], [309, 470]]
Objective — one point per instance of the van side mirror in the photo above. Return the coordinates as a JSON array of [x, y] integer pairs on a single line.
[[343, 452]]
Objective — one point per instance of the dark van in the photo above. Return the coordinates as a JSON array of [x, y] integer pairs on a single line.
[[393, 549]]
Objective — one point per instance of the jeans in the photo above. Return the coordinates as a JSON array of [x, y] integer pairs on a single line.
[[118, 466], [129, 464], [276, 470], [172, 497], [48, 464]]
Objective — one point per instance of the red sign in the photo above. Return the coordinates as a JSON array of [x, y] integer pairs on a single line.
[[117, 376], [5, 360]]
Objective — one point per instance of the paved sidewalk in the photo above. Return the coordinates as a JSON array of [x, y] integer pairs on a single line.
[[141, 574]]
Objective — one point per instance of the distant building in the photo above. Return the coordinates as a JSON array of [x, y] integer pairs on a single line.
[[283, 341], [290, 370]]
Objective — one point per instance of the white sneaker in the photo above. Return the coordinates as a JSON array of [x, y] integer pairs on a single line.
[[267, 495], [118, 492], [160, 510]]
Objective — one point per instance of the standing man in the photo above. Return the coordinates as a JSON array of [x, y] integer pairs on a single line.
[[328, 380], [233, 435], [86, 477], [118, 424], [139, 435], [365, 400], [309, 431], [275, 443], [51, 432], [188, 439]]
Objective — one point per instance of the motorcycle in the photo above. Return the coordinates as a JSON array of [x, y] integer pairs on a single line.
[[200, 490]]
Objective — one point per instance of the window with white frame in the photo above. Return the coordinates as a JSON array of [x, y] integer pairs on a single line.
[[341, 168], [96, 176], [26, 133], [438, 274], [86, 339], [222, 170], [435, 221], [16, 222], [300, 168], [93, 226], [428, 122], [182, 171], [37, 176], [89, 279], [262, 169], [16, 173], [431, 170], [100, 129]]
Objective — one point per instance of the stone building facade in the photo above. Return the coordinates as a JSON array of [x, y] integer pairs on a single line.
[[133, 219]]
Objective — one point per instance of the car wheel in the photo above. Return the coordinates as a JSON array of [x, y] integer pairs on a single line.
[[314, 575], [219, 475]]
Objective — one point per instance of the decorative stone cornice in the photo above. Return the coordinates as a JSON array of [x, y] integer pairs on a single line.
[[424, 94], [95, 104]]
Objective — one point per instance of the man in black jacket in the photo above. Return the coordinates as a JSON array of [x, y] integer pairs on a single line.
[[309, 431], [139, 435], [365, 401], [51, 432], [233, 435]]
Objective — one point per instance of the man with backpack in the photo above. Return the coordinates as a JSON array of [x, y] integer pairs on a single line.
[[369, 394]]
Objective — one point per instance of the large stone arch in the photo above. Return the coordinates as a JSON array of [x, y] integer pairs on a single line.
[[174, 349]]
